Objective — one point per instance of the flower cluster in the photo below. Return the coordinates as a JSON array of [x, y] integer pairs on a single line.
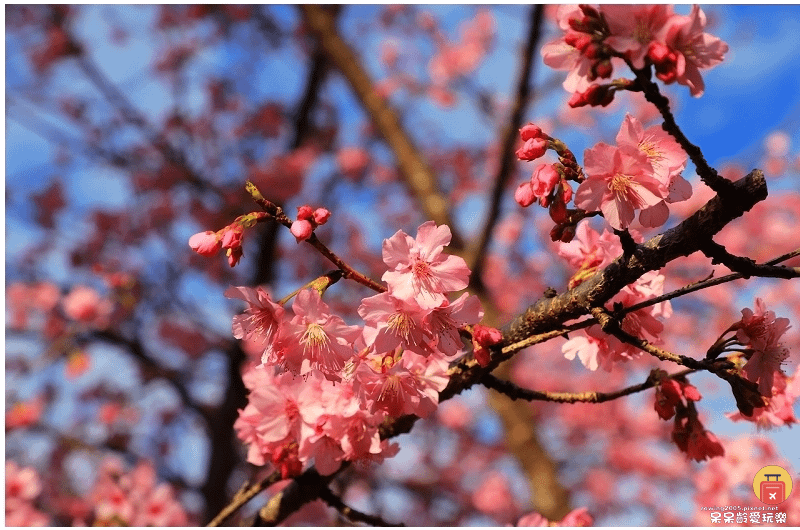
[[677, 46], [589, 252], [353, 376], [208, 243], [641, 173], [22, 488], [760, 331], [307, 220], [135, 498]]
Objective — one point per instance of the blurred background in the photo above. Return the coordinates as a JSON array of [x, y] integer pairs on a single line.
[[129, 128]]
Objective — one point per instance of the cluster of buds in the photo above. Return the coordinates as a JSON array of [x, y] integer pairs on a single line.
[[483, 338], [307, 221], [672, 393], [676, 397], [587, 35], [598, 95], [208, 243], [549, 184]]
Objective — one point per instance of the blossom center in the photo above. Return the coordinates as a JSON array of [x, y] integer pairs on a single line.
[[314, 337], [400, 324], [620, 184]]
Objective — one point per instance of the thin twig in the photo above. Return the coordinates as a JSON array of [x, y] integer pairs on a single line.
[[515, 392], [244, 495], [277, 213], [354, 515]]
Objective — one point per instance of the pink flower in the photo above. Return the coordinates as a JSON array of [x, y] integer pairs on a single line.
[[417, 268], [21, 484], [762, 332], [693, 48], [353, 161], [84, 304], [544, 179], [401, 383], [620, 181], [444, 322], [323, 340], [698, 443], [392, 322], [261, 318], [634, 27], [321, 216], [530, 131], [665, 155], [780, 409], [205, 243]]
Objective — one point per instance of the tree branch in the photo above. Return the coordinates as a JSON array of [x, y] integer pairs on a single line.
[[354, 515], [476, 258], [412, 164], [515, 392]]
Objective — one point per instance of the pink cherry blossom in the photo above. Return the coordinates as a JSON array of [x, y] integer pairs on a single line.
[[261, 318], [401, 383], [634, 27], [620, 181], [694, 49], [417, 268], [524, 194], [780, 409], [323, 341], [761, 330], [544, 180], [392, 322]]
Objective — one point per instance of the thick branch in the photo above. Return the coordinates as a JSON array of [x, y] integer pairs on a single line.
[[410, 161], [684, 239]]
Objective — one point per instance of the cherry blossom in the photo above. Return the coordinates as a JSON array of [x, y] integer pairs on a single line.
[[621, 181], [694, 49], [417, 268]]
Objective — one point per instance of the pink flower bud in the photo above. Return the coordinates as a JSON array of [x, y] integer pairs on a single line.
[[603, 69], [524, 195], [304, 213], [234, 255], [486, 336], [529, 132], [321, 216], [205, 243], [532, 149], [232, 237], [544, 179], [301, 229], [482, 356]]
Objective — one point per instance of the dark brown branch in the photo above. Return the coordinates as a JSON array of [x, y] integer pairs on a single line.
[[746, 267], [515, 392], [354, 515], [659, 250], [416, 170], [707, 173], [477, 257]]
